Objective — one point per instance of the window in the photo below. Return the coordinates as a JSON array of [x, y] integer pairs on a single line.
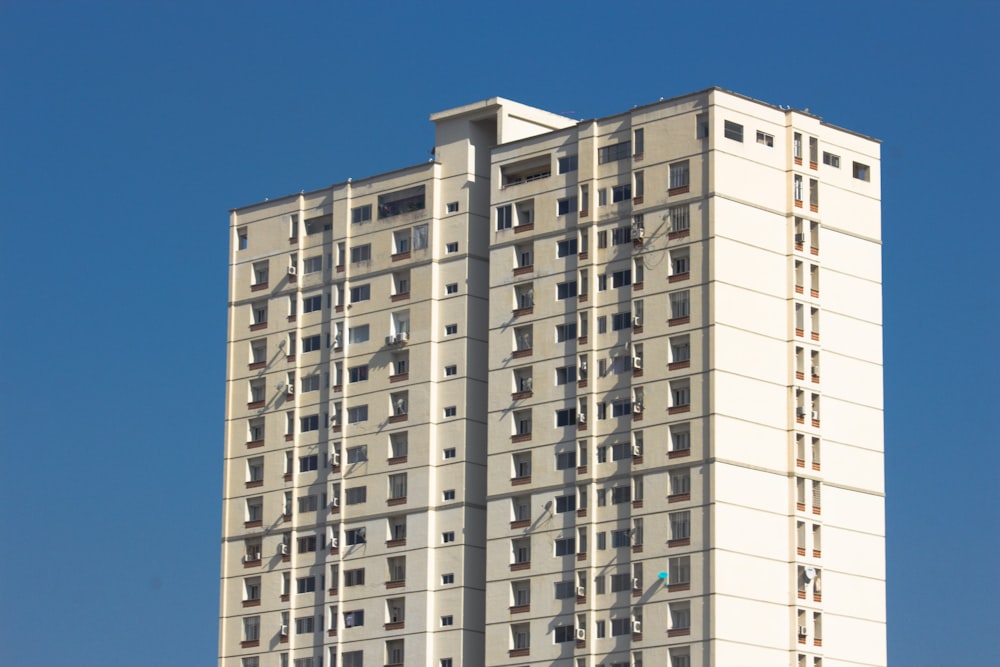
[[398, 445], [447, 620], [522, 464], [680, 176], [566, 290], [447, 578], [354, 536], [361, 253], [565, 503], [258, 313], [305, 585], [680, 615], [350, 658], [614, 152], [621, 193], [565, 332], [450, 453], [621, 278], [566, 205], [680, 482], [450, 411], [639, 182], [765, 139], [361, 293], [401, 241], [260, 273], [680, 525], [680, 393], [505, 218], [567, 164], [680, 349], [420, 237], [566, 248], [679, 305], [397, 486], [621, 626], [357, 414], [452, 207], [564, 633], [309, 423], [701, 122], [401, 201], [565, 460], [620, 321], [306, 544], [448, 537], [312, 264], [565, 375], [361, 213], [451, 288], [451, 248], [354, 619], [620, 235], [242, 239], [311, 304], [358, 334], [308, 463], [680, 219], [680, 570], [637, 136], [621, 494], [251, 628], [448, 494], [357, 373], [308, 504], [831, 160], [565, 546], [356, 495], [450, 329], [862, 172], [311, 343], [797, 147]]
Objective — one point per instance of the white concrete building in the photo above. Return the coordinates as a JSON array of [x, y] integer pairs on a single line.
[[580, 393]]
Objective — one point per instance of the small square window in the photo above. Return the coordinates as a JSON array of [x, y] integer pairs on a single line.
[[449, 494], [451, 247], [447, 620], [450, 329], [450, 411], [453, 207], [448, 578], [242, 239], [765, 139], [450, 453], [450, 371], [448, 537], [831, 160], [451, 288], [862, 172], [734, 131]]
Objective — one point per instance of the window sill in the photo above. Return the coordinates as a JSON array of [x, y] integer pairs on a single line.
[[679, 632], [678, 409], [675, 588], [258, 287], [251, 603], [518, 652], [581, 513], [395, 419], [521, 270], [253, 524], [518, 395], [817, 553], [289, 437], [518, 312], [814, 378], [678, 453], [250, 644], [395, 543], [331, 633], [800, 463], [254, 484], [814, 208], [801, 551], [813, 250], [581, 298], [799, 289], [396, 460], [257, 365], [399, 377], [516, 567], [258, 327], [636, 201], [581, 384], [523, 437], [680, 190], [800, 507], [636, 504], [255, 443], [677, 365], [520, 609], [339, 268], [679, 497], [524, 228], [522, 523], [392, 502], [637, 373], [394, 626], [253, 563], [581, 557], [682, 233], [678, 321], [683, 542], [520, 481], [798, 203], [520, 354], [678, 277], [396, 584], [815, 466]]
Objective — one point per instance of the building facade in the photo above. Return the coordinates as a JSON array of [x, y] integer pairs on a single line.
[[576, 393]]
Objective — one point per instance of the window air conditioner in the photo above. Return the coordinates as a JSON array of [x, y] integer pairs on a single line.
[[637, 321], [249, 558], [335, 456], [334, 542], [582, 418], [335, 502], [583, 365], [815, 371], [636, 450], [290, 388], [291, 270], [800, 238], [638, 232], [637, 408], [581, 634], [581, 592], [636, 627], [284, 630], [637, 363], [402, 336], [803, 631], [815, 415], [635, 584], [800, 413], [390, 339]]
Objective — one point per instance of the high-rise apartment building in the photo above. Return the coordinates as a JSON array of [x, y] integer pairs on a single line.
[[573, 393]]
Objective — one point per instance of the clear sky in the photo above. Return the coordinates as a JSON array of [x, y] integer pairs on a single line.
[[129, 129]]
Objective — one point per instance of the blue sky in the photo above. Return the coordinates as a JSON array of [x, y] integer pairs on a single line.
[[129, 129]]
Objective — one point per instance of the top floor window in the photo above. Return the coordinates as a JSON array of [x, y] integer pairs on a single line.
[[361, 213], [614, 152], [734, 131], [401, 201], [568, 164]]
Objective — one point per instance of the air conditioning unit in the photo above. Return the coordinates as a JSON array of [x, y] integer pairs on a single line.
[[403, 336], [637, 627], [638, 232], [800, 413], [290, 388], [637, 408], [581, 634], [637, 363], [803, 631], [581, 592], [335, 502], [249, 558], [815, 371], [636, 450], [637, 321], [291, 270], [336, 341], [636, 585], [582, 418], [583, 365], [284, 631], [800, 238], [815, 415], [390, 339], [283, 549], [335, 457], [334, 543]]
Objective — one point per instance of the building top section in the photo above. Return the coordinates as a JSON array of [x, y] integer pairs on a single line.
[[514, 120]]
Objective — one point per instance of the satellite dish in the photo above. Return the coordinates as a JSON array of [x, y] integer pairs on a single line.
[[810, 573]]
